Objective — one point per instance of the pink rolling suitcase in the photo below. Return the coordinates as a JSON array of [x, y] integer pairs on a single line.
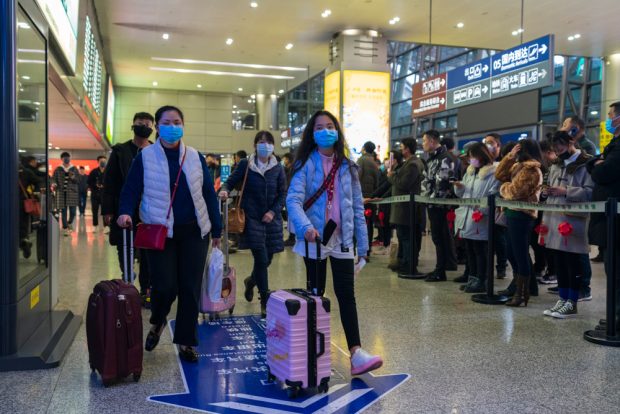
[[229, 284], [298, 337]]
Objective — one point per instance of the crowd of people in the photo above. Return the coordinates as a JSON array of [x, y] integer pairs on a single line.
[[319, 193]]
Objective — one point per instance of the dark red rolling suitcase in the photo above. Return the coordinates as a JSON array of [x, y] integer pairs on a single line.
[[114, 326]]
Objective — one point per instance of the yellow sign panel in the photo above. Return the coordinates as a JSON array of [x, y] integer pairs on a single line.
[[35, 296], [332, 93], [366, 110], [604, 137]]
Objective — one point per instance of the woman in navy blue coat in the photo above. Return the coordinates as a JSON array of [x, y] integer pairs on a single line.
[[263, 197]]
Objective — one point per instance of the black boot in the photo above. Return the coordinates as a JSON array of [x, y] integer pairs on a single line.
[[510, 290]]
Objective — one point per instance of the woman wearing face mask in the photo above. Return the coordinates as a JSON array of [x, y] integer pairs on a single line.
[[190, 211], [263, 198], [471, 222], [521, 174], [568, 182], [321, 163]]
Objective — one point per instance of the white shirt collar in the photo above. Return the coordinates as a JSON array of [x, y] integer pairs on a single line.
[[572, 158]]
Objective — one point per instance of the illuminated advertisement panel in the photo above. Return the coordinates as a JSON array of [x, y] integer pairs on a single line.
[[62, 16], [109, 123], [332, 93], [366, 110]]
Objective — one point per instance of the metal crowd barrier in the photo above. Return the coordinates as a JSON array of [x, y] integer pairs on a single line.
[[610, 335]]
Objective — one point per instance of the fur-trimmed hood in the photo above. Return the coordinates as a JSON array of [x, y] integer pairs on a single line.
[[484, 172]]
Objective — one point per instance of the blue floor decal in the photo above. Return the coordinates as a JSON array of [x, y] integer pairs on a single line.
[[231, 374]]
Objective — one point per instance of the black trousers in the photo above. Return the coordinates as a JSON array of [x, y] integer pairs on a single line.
[[444, 243], [95, 201], [139, 254], [343, 276], [176, 271], [568, 268], [260, 271], [477, 258]]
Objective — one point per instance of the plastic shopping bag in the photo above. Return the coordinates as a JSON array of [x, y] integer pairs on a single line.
[[215, 275]]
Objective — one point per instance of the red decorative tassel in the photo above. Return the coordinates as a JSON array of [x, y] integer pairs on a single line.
[[477, 216], [451, 216], [565, 229], [542, 230]]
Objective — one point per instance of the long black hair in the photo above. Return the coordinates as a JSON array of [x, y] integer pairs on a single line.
[[530, 150], [308, 145]]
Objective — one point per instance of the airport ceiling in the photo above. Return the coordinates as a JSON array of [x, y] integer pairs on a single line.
[[199, 29]]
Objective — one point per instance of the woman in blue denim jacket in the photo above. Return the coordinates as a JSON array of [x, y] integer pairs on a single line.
[[321, 160]]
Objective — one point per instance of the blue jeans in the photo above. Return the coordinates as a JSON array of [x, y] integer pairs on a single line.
[[519, 230], [260, 274], [82, 203], [65, 223]]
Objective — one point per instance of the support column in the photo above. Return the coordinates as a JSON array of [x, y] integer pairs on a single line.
[[265, 112], [611, 83]]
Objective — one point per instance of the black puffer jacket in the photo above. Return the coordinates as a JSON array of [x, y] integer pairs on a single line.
[[262, 193], [606, 177]]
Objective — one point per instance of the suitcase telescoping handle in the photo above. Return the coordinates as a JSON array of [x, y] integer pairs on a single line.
[[317, 269], [128, 275], [224, 207]]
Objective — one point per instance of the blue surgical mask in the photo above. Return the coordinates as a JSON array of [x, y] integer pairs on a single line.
[[171, 133], [609, 125], [264, 149], [326, 138]]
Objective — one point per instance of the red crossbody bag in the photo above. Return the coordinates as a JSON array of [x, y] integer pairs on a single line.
[[153, 236]]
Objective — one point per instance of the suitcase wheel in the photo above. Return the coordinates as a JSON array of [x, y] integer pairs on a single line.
[[136, 377], [211, 317], [324, 387], [231, 310], [108, 383], [292, 392]]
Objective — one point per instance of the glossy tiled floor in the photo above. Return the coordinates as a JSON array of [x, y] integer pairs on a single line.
[[463, 357]]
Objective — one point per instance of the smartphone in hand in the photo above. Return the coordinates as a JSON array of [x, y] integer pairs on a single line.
[[328, 230]]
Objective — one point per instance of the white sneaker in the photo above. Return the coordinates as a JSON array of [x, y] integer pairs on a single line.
[[362, 362], [106, 230], [558, 305]]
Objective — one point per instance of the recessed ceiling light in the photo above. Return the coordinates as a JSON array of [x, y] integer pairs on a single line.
[[577, 35], [571, 38], [289, 46], [165, 36], [199, 86], [234, 106], [395, 20], [249, 101], [254, 4], [26, 77], [229, 41], [155, 83], [281, 91], [240, 89], [326, 13], [56, 148], [517, 32], [460, 25], [594, 113], [253, 96]]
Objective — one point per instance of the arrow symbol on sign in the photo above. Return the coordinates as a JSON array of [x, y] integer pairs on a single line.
[[443, 81], [543, 49], [442, 101], [485, 68], [543, 73], [485, 89]]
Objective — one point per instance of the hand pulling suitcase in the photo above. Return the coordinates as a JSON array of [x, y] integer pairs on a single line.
[[298, 337], [114, 325], [229, 283]]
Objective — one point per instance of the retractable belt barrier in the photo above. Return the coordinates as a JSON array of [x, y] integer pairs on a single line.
[[606, 334]]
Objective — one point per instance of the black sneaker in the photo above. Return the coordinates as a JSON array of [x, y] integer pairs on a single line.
[[461, 279], [436, 277], [249, 284], [597, 259], [548, 279], [501, 274], [553, 290], [585, 296]]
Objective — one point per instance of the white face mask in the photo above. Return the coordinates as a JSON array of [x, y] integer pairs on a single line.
[[474, 162]]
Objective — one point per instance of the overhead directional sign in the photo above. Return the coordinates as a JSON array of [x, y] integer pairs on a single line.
[[431, 96], [231, 377], [522, 68]]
